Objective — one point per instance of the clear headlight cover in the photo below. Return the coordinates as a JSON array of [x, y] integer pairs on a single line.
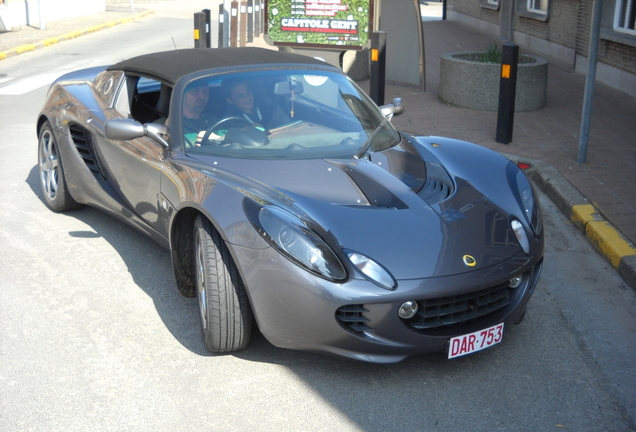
[[525, 197], [295, 241], [372, 270], [520, 234]]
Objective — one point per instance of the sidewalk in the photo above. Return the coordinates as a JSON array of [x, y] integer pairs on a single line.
[[598, 196]]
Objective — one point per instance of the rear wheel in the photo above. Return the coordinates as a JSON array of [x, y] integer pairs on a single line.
[[52, 181], [223, 304]]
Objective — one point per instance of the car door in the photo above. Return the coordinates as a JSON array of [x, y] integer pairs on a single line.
[[134, 167]]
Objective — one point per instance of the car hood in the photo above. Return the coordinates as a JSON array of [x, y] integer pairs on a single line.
[[382, 206]]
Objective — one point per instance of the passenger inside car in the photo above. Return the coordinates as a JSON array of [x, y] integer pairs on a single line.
[[241, 103]]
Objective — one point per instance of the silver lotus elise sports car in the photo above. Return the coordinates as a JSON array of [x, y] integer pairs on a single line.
[[285, 196]]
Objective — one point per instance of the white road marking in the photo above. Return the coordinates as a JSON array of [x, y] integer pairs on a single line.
[[26, 85]]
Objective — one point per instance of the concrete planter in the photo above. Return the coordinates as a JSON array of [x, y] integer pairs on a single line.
[[475, 85]]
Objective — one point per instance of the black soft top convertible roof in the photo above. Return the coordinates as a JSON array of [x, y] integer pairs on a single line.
[[169, 66]]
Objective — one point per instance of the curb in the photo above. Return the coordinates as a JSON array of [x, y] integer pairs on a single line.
[[71, 35], [606, 239]]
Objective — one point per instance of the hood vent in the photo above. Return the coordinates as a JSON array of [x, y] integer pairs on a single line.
[[438, 186], [83, 141]]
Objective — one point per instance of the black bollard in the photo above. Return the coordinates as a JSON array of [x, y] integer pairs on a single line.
[[377, 67], [507, 92], [208, 27], [199, 30]]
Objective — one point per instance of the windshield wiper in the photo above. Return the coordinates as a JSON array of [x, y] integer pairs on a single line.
[[367, 144]]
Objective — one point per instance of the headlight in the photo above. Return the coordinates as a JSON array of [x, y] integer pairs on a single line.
[[298, 243], [525, 197], [372, 270], [520, 234]]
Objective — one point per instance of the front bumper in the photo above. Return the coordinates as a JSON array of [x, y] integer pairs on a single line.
[[357, 319]]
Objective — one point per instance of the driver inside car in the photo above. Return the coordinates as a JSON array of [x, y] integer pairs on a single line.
[[241, 103], [195, 120]]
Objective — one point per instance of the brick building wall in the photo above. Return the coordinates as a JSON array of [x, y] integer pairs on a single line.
[[565, 29], [559, 28]]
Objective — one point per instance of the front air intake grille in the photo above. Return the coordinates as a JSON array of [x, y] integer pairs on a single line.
[[452, 311], [352, 318], [83, 141]]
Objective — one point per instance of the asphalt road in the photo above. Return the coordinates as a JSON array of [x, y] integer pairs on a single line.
[[94, 335]]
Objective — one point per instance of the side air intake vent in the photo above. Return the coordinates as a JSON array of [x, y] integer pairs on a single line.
[[438, 186], [83, 141]]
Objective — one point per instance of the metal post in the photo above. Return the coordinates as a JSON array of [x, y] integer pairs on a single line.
[[250, 21], [377, 69], [208, 27], [507, 92], [257, 17], [199, 30], [263, 20], [221, 41], [243, 24], [592, 56], [41, 16], [233, 23]]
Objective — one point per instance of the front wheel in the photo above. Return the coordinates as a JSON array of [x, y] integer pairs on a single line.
[[223, 304], [52, 181]]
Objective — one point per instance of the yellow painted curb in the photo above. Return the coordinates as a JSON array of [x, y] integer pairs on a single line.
[[72, 35], [24, 48], [3, 55], [50, 41], [608, 241], [93, 29], [582, 214]]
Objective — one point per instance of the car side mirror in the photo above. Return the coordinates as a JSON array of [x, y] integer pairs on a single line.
[[129, 129], [395, 108]]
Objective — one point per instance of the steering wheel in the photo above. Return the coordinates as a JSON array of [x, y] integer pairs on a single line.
[[208, 132]]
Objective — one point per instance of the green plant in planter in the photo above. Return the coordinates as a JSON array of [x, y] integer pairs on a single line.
[[492, 54]]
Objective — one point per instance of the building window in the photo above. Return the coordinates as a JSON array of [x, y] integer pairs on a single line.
[[625, 16], [538, 6], [534, 9], [489, 4]]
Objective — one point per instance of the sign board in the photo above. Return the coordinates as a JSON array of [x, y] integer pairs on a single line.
[[320, 23]]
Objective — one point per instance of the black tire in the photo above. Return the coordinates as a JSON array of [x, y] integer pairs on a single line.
[[51, 172], [225, 314]]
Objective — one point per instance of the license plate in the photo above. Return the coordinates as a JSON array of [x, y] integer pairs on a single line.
[[473, 342]]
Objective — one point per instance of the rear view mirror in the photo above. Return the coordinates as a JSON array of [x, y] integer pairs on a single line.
[[286, 88]]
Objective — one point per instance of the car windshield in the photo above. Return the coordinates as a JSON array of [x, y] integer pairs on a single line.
[[282, 114]]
